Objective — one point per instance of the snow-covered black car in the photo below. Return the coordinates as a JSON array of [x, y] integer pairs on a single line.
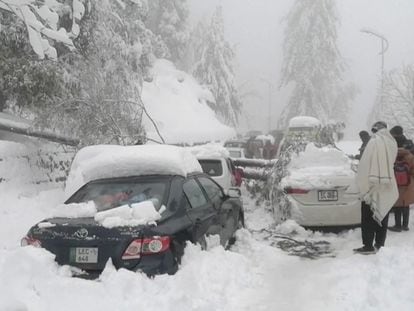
[[138, 207]]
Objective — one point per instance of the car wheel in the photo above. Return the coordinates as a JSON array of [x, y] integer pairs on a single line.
[[239, 225]]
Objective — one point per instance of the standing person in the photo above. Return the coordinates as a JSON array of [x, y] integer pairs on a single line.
[[404, 172], [377, 186], [364, 135]]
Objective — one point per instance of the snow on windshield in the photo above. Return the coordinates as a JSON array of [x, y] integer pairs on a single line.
[[319, 167], [75, 210], [129, 215], [107, 161]]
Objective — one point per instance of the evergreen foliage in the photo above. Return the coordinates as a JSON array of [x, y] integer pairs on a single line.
[[214, 67], [313, 64]]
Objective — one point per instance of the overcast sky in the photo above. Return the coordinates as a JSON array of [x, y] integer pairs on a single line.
[[256, 29]]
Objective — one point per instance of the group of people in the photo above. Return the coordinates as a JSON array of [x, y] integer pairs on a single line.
[[386, 183]]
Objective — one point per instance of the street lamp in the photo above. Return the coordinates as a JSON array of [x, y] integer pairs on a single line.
[[269, 103], [384, 48]]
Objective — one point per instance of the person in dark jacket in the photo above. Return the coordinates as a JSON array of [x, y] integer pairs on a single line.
[[364, 135], [406, 191], [402, 141]]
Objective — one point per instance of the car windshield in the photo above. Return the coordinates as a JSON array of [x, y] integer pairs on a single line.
[[211, 167], [112, 193]]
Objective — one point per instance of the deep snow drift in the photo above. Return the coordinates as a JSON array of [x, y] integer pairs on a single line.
[[178, 105], [256, 274]]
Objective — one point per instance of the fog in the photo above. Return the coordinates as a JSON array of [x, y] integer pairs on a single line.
[[256, 29]]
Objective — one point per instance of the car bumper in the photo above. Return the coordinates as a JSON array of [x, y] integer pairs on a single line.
[[164, 263], [328, 215]]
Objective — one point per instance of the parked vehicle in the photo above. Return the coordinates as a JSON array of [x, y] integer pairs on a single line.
[[320, 184], [221, 169], [137, 181], [236, 153], [235, 144], [300, 128]]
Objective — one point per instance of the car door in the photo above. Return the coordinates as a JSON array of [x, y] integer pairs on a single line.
[[199, 209], [226, 209]]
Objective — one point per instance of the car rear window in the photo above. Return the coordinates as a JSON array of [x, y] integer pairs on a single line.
[[110, 194], [212, 167]]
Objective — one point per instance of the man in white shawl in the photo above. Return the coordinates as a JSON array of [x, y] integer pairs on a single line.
[[377, 186]]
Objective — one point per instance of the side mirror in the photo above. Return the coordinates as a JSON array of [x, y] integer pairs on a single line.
[[233, 192]]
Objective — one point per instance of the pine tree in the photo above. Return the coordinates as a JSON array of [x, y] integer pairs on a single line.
[[313, 64], [167, 19], [214, 67]]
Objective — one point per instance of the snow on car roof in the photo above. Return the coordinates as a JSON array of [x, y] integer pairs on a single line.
[[319, 168], [210, 150], [110, 161], [304, 121]]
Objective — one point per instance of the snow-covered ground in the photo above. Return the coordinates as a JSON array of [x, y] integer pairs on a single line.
[[256, 274]]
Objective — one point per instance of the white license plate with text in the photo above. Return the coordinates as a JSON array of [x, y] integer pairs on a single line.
[[328, 195], [84, 254]]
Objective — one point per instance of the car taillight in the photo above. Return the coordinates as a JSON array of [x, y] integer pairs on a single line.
[[146, 246], [296, 191], [30, 241]]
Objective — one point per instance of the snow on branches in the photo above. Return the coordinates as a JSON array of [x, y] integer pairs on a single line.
[[42, 22]]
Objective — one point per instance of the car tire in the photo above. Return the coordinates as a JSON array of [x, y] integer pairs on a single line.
[[240, 225]]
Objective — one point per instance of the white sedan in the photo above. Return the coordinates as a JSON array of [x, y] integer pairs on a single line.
[[320, 185]]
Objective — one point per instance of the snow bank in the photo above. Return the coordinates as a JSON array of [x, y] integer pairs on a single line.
[[209, 150], [304, 121], [319, 168], [178, 104], [32, 163], [137, 214], [108, 161]]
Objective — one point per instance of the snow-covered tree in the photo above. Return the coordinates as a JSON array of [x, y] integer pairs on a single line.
[[313, 64], [168, 20], [213, 67], [396, 103], [43, 22], [106, 78]]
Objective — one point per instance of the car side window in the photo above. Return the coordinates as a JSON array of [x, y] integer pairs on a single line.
[[194, 194], [213, 190]]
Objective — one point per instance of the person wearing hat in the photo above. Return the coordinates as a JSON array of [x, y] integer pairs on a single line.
[[404, 171], [377, 187]]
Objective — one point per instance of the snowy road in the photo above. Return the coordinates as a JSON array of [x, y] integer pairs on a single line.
[[254, 275]]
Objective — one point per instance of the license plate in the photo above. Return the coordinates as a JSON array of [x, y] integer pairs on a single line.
[[328, 195], [84, 254]]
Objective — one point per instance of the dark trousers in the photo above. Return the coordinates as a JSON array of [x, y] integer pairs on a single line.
[[404, 212], [371, 229]]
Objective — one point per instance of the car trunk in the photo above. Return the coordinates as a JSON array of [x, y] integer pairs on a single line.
[[84, 243], [335, 190]]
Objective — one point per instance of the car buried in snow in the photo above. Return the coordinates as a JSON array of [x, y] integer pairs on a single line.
[[137, 207], [319, 181]]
